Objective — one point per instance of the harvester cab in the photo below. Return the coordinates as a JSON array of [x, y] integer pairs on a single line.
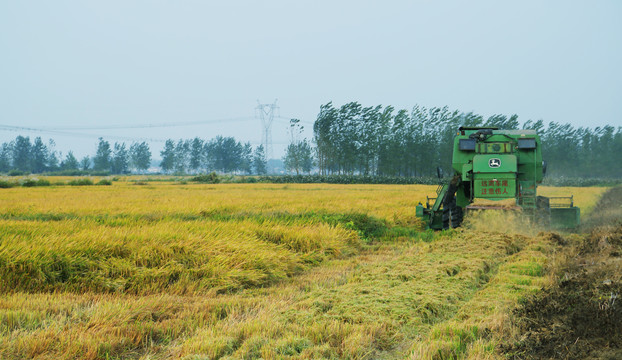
[[493, 164]]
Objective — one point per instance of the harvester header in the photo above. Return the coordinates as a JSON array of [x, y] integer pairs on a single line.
[[494, 164]]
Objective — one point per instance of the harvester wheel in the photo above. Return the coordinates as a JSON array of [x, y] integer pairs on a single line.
[[456, 216], [451, 216]]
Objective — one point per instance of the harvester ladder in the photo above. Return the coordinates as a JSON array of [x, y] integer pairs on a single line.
[[439, 188], [527, 197], [439, 196]]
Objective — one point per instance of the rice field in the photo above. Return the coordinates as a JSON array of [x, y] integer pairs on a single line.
[[155, 270]]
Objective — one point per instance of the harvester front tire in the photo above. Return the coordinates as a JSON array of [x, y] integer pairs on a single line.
[[446, 217], [456, 216], [449, 204]]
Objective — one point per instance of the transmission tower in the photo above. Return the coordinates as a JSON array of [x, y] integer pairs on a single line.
[[266, 113]]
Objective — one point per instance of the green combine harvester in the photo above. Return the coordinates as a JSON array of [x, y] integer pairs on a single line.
[[495, 164]]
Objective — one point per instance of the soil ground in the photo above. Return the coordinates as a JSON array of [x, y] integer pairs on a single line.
[[580, 316]]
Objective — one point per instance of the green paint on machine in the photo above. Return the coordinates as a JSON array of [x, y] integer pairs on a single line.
[[495, 164]]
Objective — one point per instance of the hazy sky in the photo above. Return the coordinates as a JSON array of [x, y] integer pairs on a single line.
[[87, 64]]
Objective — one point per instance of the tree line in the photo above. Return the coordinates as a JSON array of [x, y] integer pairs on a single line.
[[347, 140], [25, 156], [221, 154], [378, 140]]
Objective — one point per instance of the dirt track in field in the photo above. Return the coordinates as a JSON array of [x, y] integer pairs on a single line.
[[580, 316]]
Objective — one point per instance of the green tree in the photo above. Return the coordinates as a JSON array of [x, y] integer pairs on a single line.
[[168, 156], [246, 163], [225, 154], [197, 154], [140, 156], [306, 156], [103, 157], [503, 122], [392, 157], [291, 160], [182, 156], [259, 161], [70, 162], [39, 156], [120, 159], [298, 155], [231, 155], [5, 157], [85, 163], [209, 156], [326, 146], [21, 153], [52, 162]]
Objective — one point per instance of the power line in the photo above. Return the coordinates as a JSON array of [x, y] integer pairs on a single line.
[[62, 129], [266, 113], [157, 125], [83, 135], [74, 134]]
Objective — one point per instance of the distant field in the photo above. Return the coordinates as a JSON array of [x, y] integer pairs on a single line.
[[164, 269]]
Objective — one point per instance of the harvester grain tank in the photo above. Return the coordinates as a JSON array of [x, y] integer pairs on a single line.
[[494, 164]]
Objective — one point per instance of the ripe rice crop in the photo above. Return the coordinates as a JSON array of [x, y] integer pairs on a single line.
[[162, 199], [170, 270]]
